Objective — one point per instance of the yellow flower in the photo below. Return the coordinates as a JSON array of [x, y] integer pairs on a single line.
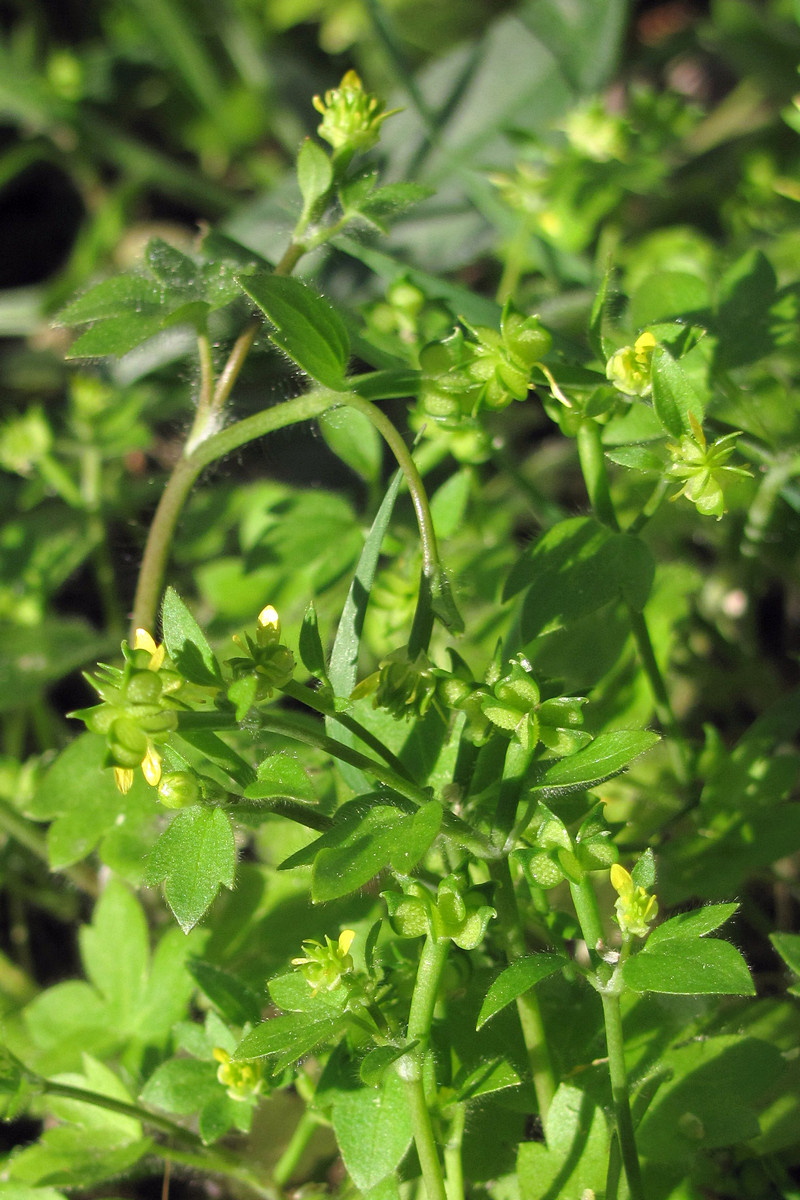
[[635, 908], [142, 640], [242, 1079]]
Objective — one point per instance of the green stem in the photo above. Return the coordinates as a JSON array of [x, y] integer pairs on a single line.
[[452, 826], [99, 1100], [151, 573], [289, 1161], [530, 1016], [319, 703], [593, 468], [612, 1017], [419, 498], [410, 1066], [585, 900], [651, 506], [595, 476], [453, 1169]]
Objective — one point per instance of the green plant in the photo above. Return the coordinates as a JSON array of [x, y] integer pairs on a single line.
[[391, 821]]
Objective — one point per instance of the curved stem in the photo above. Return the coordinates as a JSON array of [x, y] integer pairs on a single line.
[[419, 498], [187, 469]]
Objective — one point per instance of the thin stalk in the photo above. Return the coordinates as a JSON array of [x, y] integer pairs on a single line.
[[289, 1161], [111, 1104], [410, 1067], [585, 900], [419, 498], [319, 704], [612, 1017], [595, 476], [652, 506], [452, 826], [593, 468], [151, 573], [530, 1016], [453, 1169]]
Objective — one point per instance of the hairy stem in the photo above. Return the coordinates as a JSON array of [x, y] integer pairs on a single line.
[[419, 498], [612, 1017], [410, 1066], [593, 468], [530, 1016]]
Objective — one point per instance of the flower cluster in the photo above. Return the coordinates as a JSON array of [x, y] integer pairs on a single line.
[[558, 855], [351, 118], [636, 908], [265, 659], [242, 1080], [461, 376], [455, 911], [404, 686], [138, 710], [326, 963], [704, 468], [514, 706], [630, 368]]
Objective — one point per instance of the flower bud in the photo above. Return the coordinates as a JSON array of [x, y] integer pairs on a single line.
[[178, 789]]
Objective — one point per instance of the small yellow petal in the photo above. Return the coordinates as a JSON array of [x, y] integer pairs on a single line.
[[151, 766], [346, 940], [621, 880], [268, 618], [144, 641], [123, 777], [221, 1055]]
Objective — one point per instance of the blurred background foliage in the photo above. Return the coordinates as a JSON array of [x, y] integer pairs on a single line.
[[552, 136]]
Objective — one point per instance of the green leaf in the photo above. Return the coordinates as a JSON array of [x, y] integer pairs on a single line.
[[181, 1085], [170, 266], [788, 946], [689, 967], [235, 1000], [355, 440], [373, 1130], [584, 39], [343, 667], [289, 1038], [79, 791], [117, 335], [118, 921], [711, 1099], [119, 296], [378, 1061], [312, 654], [574, 569], [600, 317], [360, 844], [67, 1153], [449, 503], [674, 394], [574, 1160], [666, 295], [281, 775], [194, 856], [314, 174], [307, 327], [638, 458], [692, 924], [747, 291], [516, 980], [608, 755], [186, 644]]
